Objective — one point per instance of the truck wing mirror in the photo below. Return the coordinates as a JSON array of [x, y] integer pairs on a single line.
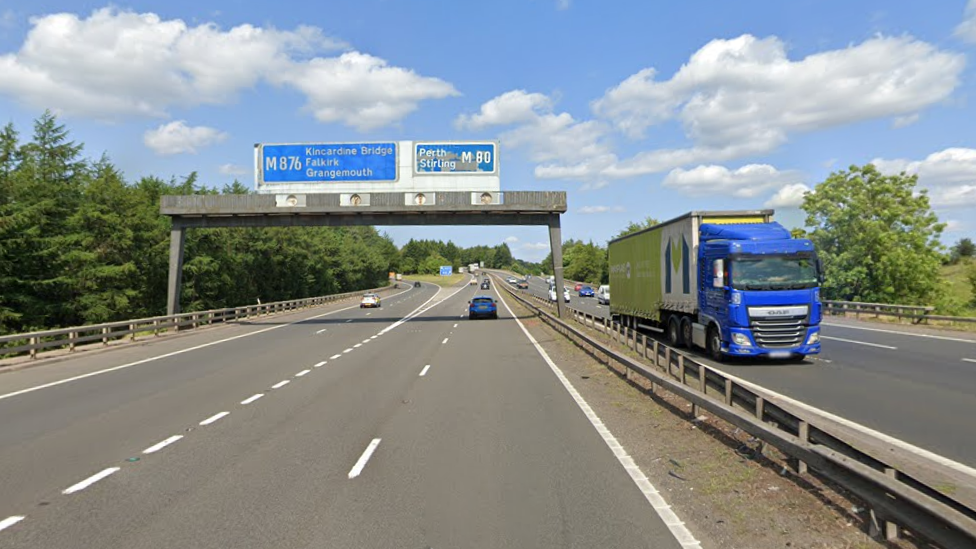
[[718, 273], [820, 271]]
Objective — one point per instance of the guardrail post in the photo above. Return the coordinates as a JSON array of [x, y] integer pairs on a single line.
[[132, 332], [760, 408], [696, 410], [667, 359], [34, 341], [105, 335], [156, 327], [728, 392], [644, 346], [804, 435], [681, 368], [891, 531], [72, 336]]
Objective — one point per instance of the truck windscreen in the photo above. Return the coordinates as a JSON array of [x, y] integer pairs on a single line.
[[773, 273]]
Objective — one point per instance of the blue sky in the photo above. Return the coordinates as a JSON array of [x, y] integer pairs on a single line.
[[634, 108]]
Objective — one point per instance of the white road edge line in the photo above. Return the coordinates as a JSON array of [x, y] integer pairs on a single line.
[[361, 464], [160, 445], [335, 356], [281, 384], [10, 521], [445, 341], [455, 325], [349, 350], [302, 373], [424, 371], [366, 340], [167, 355], [320, 364], [252, 399], [91, 480], [214, 418], [929, 336], [660, 506], [860, 342], [374, 337], [970, 359], [320, 331], [358, 345]]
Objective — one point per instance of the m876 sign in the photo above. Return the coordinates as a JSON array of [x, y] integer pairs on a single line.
[[455, 158], [327, 162]]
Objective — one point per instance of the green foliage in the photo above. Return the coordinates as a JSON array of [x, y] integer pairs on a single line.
[[797, 232], [877, 236], [962, 249], [971, 276], [635, 226], [80, 245]]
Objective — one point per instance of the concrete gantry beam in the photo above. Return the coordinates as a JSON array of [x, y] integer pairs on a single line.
[[335, 209]]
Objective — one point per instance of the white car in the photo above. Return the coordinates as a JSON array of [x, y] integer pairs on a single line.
[[370, 300], [552, 294], [603, 295]]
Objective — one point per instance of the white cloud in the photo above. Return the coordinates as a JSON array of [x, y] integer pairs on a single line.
[[746, 182], [599, 209], [563, 4], [734, 99], [535, 246], [176, 137], [789, 196], [967, 29], [950, 175], [747, 88], [954, 226], [233, 169], [116, 63], [512, 239]]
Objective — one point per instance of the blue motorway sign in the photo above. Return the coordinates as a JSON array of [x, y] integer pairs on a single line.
[[447, 270], [327, 162], [455, 158]]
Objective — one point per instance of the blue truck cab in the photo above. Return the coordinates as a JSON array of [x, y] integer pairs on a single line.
[[759, 292]]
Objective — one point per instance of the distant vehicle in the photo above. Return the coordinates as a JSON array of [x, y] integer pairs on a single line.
[[472, 282], [369, 301], [511, 280], [522, 285], [732, 282], [578, 287], [552, 294], [603, 295], [482, 306], [485, 285], [399, 276], [586, 291]]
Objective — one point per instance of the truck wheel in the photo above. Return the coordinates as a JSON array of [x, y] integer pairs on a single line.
[[713, 342], [674, 332]]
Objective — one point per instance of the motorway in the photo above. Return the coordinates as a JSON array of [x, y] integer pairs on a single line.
[[916, 386], [407, 426]]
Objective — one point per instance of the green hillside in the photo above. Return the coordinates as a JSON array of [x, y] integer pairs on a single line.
[[960, 288]]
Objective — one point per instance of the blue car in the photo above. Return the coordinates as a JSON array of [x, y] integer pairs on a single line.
[[586, 291], [482, 306]]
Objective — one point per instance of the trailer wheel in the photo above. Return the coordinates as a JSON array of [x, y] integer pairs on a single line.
[[713, 342], [674, 332], [686, 339]]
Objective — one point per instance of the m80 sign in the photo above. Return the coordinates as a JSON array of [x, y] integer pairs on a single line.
[[455, 158]]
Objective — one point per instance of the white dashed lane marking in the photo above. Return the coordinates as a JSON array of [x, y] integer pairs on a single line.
[[363, 459], [160, 445], [91, 480], [424, 371], [214, 418], [252, 399], [10, 521], [302, 373], [281, 384]]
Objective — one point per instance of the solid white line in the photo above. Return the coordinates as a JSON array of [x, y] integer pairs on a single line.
[[455, 325], [320, 331], [929, 336], [860, 342], [349, 350], [281, 384], [660, 506], [167, 355], [358, 467], [10, 521], [358, 345], [91, 480], [445, 341], [350, 320], [369, 313], [335, 356], [424, 371], [303, 372], [366, 341], [160, 445], [970, 359], [374, 337], [214, 418], [320, 364], [252, 399]]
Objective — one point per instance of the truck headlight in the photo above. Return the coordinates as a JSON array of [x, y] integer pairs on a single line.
[[741, 339], [814, 338], [736, 298], [816, 295]]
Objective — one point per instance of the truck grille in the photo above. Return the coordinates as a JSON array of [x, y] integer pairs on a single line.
[[787, 331]]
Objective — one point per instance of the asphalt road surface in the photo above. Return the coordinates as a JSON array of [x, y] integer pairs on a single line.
[[337, 427], [917, 386]]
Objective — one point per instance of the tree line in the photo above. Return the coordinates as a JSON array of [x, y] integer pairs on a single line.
[[81, 245]]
